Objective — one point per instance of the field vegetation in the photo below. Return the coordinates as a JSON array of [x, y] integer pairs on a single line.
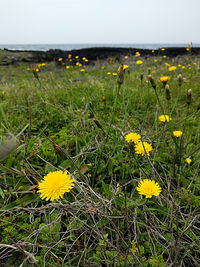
[[77, 116]]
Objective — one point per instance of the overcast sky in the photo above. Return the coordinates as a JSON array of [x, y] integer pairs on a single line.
[[99, 21]]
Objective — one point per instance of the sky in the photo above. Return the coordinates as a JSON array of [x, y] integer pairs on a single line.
[[99, 21]]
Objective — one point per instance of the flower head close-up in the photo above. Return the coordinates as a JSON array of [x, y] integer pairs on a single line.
[[177, 133], [139, 62], [164, 118], [172, 68], [142, 148], [132, 137], [164, 79], [149, 188], [55, 184], [188, 161]]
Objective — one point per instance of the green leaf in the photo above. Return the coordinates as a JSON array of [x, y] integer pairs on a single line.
[[2, 193]]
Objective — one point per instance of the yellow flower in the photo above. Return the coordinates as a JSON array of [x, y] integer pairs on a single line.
[[167, 64], [162, 49], [188, 161], [172, 68], [152, 51], [164, 56], [164, 118], [155, 60], [194, 63], [37, 70], [153, 72], [132, 137], [137, 54], [82, 70], [139, 62], [114, 74], [76, 56], [126, 57], [3, 92], [149, 188], [55, 184], [77, 63], [60, 59], [86, 60], [164, 79], [187, 49], [122, 68], [179, 65], [142, 147], [67, 67], [108, 73], [69, 56], [28, 69], [183, 67], [177, 133]]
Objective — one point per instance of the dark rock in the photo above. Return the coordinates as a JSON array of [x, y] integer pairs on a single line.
[[94, 53]]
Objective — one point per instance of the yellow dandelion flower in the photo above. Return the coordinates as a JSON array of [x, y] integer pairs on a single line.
[[37, 70], [164, 79], [164, 56], [179, 65], [194, 63], [114, 74], [188, 161], [67, 67], [28, 69], [149, 188], [122, 68], [167, 64], [172, 68], [177, 133], [77, 63], [55, 184], [126, 57], [183, 67], [108, 73], [3, 92], [142, 148], [69, 56], [152, 51], [164, 118], [162, 49], [155, 60], [132, 137], [86, 60], [76, 56], [153, 72], [137, 54], [187, 49], [60, 59], [82, 70], [139, 62]]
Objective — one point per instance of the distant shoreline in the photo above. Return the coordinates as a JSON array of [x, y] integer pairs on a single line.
[[94, 53]]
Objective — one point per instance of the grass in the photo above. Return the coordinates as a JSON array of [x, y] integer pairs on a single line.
[[68, 119]]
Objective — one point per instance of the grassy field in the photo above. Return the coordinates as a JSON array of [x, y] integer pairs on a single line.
[[60, 116]]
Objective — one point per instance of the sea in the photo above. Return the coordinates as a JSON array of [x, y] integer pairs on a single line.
[[68, 47]]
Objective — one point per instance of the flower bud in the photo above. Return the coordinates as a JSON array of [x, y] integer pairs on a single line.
[[180, 80], [167, 91], [189, 96]]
